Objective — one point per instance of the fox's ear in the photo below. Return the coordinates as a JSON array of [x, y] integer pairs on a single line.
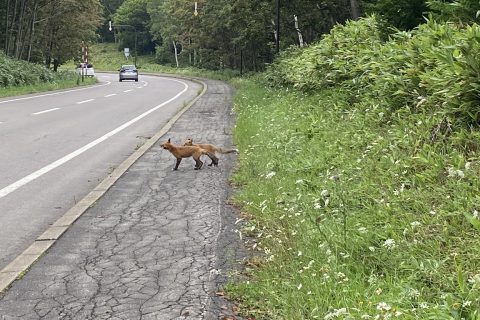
[[168, 140]]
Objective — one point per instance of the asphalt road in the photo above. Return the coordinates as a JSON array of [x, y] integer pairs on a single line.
[[159, 244], [55, 147]]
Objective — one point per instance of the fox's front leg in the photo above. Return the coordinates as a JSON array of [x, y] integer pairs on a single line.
[[178, 163]]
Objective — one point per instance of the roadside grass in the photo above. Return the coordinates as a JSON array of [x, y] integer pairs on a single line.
[[354, 212], [46, 86]]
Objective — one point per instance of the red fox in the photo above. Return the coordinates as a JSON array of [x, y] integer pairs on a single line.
[[209, 147], [195, 152]]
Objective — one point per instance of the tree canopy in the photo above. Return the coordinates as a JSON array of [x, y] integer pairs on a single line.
[[48, 31], [239, 34]]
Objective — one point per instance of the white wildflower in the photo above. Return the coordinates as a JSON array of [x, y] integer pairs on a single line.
[[270, 175], [383, 306], [414, 293], [335, 313], [455, 173], [475, 214], [389, 244], [362, 230], [466, 303], [474, 280], [324, 193], [415, 224]]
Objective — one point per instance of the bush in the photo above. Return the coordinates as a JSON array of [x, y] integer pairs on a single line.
[[435, 67], [21, 73]]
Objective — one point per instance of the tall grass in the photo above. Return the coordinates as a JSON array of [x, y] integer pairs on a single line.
[[361, 203], [351, 217]]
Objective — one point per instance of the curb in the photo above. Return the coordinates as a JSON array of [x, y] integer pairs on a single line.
[[22, 263]]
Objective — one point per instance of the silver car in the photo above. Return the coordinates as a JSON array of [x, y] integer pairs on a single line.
[[128, 72]]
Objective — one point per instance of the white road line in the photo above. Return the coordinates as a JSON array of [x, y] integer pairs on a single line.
[[128, 90], [139, 87], [45, 111], [110, 95], [14, 186], [55, 93], [85, 101]]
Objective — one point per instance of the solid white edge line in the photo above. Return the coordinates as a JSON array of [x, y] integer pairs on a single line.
[[14, 186], [45, 111]]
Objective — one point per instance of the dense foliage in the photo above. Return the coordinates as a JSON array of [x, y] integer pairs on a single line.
[[213, 34], [20, 73], [47, 31], [359, 177], [435, 67]]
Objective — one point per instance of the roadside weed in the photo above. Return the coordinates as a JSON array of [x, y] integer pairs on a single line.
[[352, 216]]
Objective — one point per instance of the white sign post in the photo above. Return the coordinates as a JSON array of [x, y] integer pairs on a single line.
[[126, 51]]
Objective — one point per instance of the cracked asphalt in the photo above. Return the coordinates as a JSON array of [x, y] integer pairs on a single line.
[[158, 245]]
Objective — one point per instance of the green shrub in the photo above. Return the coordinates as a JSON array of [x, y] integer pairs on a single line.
[[16, 73], [435, 67]]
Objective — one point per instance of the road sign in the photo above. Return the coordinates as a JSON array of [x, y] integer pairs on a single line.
[[126, 51]]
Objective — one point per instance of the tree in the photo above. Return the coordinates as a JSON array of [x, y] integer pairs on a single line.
[[462, 11], [48, 31], [401, 14], [133, 15], [355, 9], [67, 24]]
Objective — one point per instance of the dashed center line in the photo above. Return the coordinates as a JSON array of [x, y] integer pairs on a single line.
[[45, 111], [85, 101], [128, 90], [27, 179], [110, 95]]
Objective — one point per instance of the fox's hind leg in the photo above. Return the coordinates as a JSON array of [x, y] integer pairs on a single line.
[[214, 159], [198, 163]]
